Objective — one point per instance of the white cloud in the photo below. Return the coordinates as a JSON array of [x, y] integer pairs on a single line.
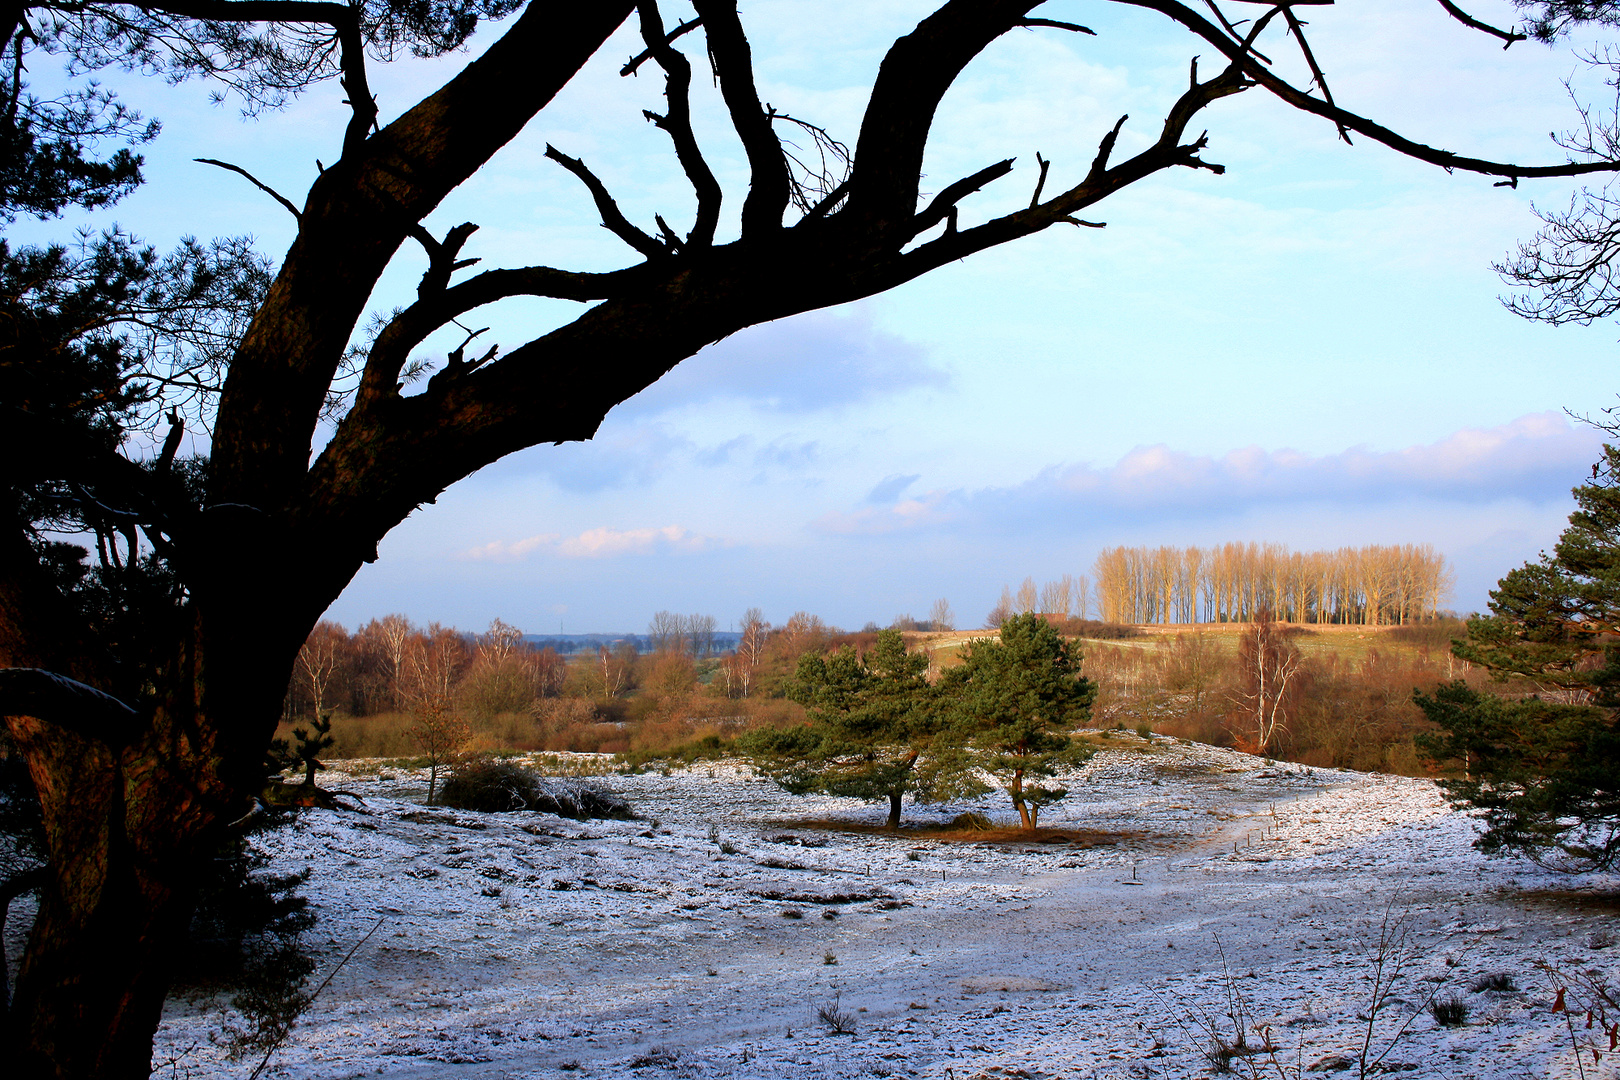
[[603, 542]]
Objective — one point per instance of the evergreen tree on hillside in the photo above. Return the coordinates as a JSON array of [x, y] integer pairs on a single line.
[[873, 733], [1543, 767], [1012, 700]]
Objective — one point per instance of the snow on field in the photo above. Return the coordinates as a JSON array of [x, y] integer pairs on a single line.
[[703, 939]]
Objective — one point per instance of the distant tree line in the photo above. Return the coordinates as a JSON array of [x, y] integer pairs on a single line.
[[1375, 585], [1062, 598]]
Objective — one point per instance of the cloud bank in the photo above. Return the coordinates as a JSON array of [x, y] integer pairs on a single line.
[[1535, 458]]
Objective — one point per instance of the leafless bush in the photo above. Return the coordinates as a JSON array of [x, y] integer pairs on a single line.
[[1590, 1008], [839, 1021], [659, 1057]]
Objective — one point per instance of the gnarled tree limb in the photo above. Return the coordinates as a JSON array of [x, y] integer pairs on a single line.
[[67, 703], [442, 261]]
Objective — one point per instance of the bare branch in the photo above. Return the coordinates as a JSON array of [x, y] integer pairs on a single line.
[[670, 238], [678, 123], [917, 71], [1105, 150], [256, 182], [1100, 182], [1570, 264], [343, 18], [1254, 32], [1508, 36], [1310, 59], [442, 261], [1035, 199], [409, 328], [1292, 95], [646, 54], [946, 200], [1056, 25], [66, 703], [825, 206], [770, 183], [171, 443], [613, 218], [827, 175]]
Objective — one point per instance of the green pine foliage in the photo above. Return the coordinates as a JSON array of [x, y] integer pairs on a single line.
[[1012, 702], [311, 745], [873, 731], [1542, 766], [1544, 777]]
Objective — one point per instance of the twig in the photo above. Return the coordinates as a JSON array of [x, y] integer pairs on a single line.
[[1035, 199], [254, 1075], [1508, 36], [647, 54], [256, 182], [946, 200], [1310, 59]]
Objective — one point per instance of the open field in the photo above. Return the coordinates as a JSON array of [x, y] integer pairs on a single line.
[[701, 941], [1349, 642]]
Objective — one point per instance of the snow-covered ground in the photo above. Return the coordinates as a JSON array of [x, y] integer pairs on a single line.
[[702, 940]]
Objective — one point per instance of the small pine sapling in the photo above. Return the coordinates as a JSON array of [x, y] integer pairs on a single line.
[[311, 744]]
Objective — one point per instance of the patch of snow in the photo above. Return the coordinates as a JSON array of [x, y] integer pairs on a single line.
[[523, 945]]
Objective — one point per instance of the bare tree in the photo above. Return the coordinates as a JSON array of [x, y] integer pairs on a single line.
[[1057, 597], [1003, 610], [318, 661], [441, 733], [550, 670], [499, 642], [1268, 667], [755, 632], [700, 635], [667, 632], [618, 668], [940, 616], [389, 637], [1028, 599]]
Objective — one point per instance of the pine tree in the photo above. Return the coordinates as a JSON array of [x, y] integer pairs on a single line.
[[872, 732], [1012, 699], [1543, 767]]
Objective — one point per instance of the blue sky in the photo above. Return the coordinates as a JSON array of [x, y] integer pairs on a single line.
[[1307, 349]]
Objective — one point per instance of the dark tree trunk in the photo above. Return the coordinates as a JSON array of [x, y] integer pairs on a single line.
[[132, 805], [894, 809]]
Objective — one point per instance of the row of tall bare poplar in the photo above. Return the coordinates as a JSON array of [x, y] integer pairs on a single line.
[[1376, 585]]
